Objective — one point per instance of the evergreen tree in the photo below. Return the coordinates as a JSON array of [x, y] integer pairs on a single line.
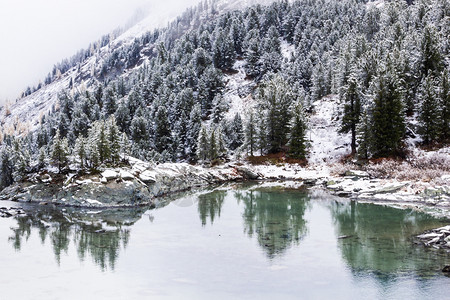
[[250, 133], [352, 109], [429, 111], [103, 145], [297, 141], [203, 145], [114, 140], [275, 97], [213, 152], [444, 103], [80, 149], [388, 123], [162, 130], [364, 136], [7, 167], [194, 127], [42, 157], [60, 151], [236, 134]]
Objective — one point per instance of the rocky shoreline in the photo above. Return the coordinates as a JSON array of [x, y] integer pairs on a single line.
[[140, 183]]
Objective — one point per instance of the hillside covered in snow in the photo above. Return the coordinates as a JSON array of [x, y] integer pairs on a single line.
[[312, 82]]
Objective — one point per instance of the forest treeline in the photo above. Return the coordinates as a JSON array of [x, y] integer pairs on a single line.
[[387, 64]]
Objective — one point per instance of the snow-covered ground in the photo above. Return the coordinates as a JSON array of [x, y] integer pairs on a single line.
[[327, 145]]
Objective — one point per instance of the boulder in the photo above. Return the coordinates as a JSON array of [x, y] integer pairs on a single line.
[[247, 173], [110, 175], [446, 269], [148, 176], [125, 175], [356, 173]]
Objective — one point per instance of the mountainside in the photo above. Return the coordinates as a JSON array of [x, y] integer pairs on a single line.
[[310, 81]]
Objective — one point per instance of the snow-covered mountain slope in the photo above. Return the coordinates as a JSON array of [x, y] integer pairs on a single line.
[[25, 114]]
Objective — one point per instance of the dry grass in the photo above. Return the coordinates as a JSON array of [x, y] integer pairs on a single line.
[[427, 168]]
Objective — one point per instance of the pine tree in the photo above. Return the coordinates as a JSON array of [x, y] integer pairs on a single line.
[[103, 145], [250, 133], [236, 138], [429, 111], [162, 130], [388, 125], [364, 136], [203, 145], [80, 149], [275, 97], [125, 145], [114, 140], [42, 157], [444, 103], [60, 151], [7, 167], [212, 151], [297, 141], [352, 109]]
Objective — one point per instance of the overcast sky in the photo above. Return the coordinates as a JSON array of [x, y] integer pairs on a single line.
[[36, 34]]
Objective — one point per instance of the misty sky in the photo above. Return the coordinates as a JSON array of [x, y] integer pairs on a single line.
[[36, 34]]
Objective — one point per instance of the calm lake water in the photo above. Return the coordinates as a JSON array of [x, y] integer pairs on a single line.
[[240, 242]]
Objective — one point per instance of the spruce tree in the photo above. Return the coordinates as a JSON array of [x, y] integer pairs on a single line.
[[60, 151], [364, 136], [429, 111], [103, 145], [203, 145], [80, 149], [250, 133], [297, 141], [275, 97], [114, 140], [352, 109], [444, 103], [7, 167], [388, 123]]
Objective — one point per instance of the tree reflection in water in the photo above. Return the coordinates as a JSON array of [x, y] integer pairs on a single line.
[[210, 205], [276, 218], [99, 234], [378, 239]]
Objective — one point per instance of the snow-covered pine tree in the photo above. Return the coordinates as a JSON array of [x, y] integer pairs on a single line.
[[60, 151], [388, 121], [203, 145], [114, 140], [275, 97], [297, 141], [429, 111], [80, 150], [251, 133], [443, 94], [352, 108]]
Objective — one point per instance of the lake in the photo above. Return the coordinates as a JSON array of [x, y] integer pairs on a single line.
[[238, 241]]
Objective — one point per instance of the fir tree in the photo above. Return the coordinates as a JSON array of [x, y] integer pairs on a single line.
[[7, 167], [80, 149], [203, 145], [250, 133], [388, 125], [114, 140], [429, 111], [297, 141], [60, 151], [352, 109], [444, 103], [275, 97], [364, 136], [162, 130]]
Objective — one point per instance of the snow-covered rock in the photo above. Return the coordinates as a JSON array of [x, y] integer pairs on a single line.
[[110, 175]]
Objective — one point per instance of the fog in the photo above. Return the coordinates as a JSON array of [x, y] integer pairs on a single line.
[[36, 34]]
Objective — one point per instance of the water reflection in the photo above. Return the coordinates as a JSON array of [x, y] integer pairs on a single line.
[[276, 218], [210, 206], [98, 234], [378, 239]]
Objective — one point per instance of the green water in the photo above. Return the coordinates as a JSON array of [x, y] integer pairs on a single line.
[[235, 243]]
